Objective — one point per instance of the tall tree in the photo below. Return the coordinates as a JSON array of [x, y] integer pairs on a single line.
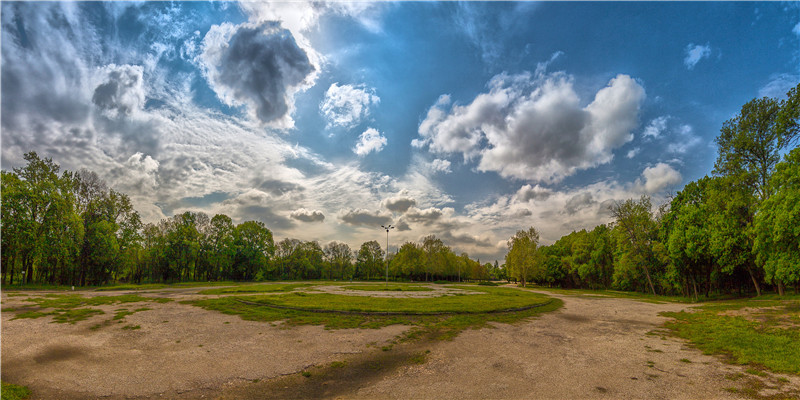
[[523, 254], [369, 261], [777, 224], [635, 220], [340, 258]]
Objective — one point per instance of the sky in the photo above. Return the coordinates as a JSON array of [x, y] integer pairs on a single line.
[[466, 120]]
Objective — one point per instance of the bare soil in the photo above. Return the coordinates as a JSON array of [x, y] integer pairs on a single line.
[[594, 347]]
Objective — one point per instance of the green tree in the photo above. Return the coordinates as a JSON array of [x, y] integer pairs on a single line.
[[777, 243], [638, 230], [369, 261], [523, 255], [254, 248], [340, 257]]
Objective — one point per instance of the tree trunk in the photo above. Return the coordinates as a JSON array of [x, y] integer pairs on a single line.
[[649, 281], [755, 282], [694, 283], [781, 290]]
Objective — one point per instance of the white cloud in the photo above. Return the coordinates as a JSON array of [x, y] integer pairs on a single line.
[[257, 65], [695, 53], [685, 139], [347, 105], [779, 85], [632, 152], [370, 141], [656, 127], [439, 165], [307, 215], [796, 29], [122, 91], [660, 177], [534, 127]]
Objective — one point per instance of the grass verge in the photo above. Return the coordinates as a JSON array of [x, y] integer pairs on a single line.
[[752, 332]]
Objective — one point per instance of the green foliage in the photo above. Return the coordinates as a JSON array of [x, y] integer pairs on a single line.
[[746, 341], [777, 242], [11, 391], [523, 260]]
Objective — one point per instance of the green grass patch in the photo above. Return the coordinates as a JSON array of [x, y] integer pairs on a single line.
[[443, 326], [760, 338], [389, 288], [485, 299], [259, 288], [10, 391], [135, 327]]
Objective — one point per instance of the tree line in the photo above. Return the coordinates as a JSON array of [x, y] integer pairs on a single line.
[[737, 230], [69, 228]]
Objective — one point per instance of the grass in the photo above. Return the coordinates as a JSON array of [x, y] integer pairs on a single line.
[[389, 288], [758, 337], [10, 391], [438, 326], [72, 308], [484, 299], [259, 288]]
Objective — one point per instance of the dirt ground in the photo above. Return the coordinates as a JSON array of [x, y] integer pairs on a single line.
[[593, 347]]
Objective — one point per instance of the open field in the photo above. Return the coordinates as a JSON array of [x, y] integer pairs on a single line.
[[231, 342]]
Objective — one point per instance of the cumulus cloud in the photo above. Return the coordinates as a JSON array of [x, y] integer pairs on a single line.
[[632, 152], [347, 105], [370, 141], [122, 91], [307, 215], [533, 127], [257, 65], [527, 193], [400, 203], [579, 201], [426, 216], [695, 53], [362, 217], [439, 165], [659, 177], [258, 206], [656, 127], [459, 240]]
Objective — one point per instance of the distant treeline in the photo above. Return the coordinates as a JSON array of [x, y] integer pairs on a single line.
[[736, 231], [71, 229]]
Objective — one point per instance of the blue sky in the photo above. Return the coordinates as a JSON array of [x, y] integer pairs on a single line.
[[325, 120]]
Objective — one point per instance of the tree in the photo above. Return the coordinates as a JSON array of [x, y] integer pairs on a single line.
[[777, 243], [254, 248], [340, 258], [369, 261], [409, 260], [523, 254], [634, 220]]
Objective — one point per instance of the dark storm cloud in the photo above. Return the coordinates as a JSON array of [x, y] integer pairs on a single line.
[[122, 93], [256, 65], [579, 201], [399, 204]]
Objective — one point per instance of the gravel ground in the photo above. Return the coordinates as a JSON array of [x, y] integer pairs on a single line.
[[594, 347]]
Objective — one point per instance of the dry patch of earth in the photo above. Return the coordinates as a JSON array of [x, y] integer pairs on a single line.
[[594, 347]]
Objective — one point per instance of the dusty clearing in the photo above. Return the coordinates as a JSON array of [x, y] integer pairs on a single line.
[[594, 347]]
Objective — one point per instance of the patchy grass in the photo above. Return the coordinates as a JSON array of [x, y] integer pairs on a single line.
[[389, 288], [259, 288], [72, 308], [759, 333], [135, 327], [153, 286], [10, 391]]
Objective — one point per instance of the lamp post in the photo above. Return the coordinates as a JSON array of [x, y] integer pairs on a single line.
[[387, 227]]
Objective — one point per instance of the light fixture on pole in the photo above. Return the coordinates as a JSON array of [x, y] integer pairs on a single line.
[[387, 227]]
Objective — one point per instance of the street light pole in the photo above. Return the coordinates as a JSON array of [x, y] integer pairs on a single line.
[[387, 227]]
